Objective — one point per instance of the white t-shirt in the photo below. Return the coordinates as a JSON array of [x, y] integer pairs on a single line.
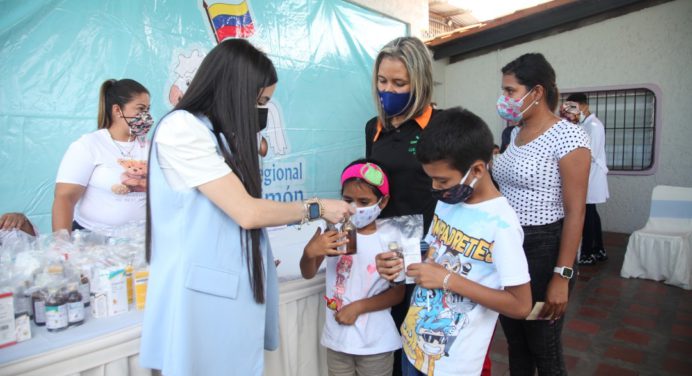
[[114, 174], [529, 175], [355, 277], [598, 175], [187, 151], [448, 334]]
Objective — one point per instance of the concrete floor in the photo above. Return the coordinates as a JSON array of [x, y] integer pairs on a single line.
[[617, 326]]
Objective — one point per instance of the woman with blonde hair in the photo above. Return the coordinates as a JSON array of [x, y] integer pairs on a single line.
[[402, 92]]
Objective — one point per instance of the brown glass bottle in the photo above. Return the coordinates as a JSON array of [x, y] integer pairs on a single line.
[[330, 227], [352, 234], [75, 306], [56, 310], [38, 302], [395, 247]]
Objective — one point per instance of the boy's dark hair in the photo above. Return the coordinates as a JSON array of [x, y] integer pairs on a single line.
[[457, 136], [531, 70], [374, 189], [578, 97]]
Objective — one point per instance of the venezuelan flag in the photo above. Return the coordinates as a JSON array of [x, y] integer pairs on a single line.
[[230, 20]]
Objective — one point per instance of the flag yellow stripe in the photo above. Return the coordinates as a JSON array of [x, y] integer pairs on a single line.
[[227, 9]]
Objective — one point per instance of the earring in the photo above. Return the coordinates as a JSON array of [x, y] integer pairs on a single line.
[[536, 103]]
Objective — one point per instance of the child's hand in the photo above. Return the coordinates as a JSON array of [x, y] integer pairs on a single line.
[[348, 314], [389, 264], [429, 274], [325, 244]]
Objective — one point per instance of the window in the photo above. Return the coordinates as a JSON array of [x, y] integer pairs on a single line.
[[629, 116]]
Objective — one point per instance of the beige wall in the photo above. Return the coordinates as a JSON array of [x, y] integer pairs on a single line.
[[413, 12], [651, 46]]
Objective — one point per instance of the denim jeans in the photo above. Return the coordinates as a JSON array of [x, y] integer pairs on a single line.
[[537, 344], [407, 369]]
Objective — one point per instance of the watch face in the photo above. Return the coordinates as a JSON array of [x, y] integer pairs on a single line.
[[314, 210], [567, 272]]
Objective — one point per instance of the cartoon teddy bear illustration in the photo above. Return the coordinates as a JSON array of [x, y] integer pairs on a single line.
[[134, 179]]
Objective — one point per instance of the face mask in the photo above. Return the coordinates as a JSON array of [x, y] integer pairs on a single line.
[[140, 124], [581, 117], [456, 194], [510, 109], [364, 216], [394, 104], [262, 115]]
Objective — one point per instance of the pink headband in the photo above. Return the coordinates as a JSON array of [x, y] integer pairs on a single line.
[[369, 172]]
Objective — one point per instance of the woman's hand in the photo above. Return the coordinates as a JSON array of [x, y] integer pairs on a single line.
[[556, 298], [335, 211], [389, 264], [325, 244], [348, 314], [428, 274], [17, 221]]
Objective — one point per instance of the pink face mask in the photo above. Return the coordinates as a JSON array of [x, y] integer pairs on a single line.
[[510, 108]]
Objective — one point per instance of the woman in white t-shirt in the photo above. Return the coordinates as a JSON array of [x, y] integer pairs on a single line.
[[544, 174], [102, 179]]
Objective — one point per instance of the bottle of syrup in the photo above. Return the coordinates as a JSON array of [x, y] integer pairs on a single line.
[[352, 234]]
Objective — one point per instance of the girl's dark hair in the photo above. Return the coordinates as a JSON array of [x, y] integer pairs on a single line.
[[457, 136], [118, 92], [374, 189], [532, 70], [225, 89]]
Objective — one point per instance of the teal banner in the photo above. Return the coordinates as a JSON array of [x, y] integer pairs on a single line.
[[56, 54]]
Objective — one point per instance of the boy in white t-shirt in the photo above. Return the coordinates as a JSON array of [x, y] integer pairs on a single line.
[[475, 267], [359, 331]]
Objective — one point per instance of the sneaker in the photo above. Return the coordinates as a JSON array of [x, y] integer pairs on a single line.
[[601, 255], [587, 260]]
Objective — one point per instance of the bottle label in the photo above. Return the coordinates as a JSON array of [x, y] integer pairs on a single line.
[[75, 312], [85, 290], [22, 304], [56, 317], [40, 311]]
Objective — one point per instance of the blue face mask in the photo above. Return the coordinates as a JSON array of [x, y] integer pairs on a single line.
[[394, 103]]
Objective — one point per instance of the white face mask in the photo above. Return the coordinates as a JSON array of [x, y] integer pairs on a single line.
[[365, 215], [581, 117]]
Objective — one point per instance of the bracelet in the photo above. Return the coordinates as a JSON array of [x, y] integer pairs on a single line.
[[445, 282]]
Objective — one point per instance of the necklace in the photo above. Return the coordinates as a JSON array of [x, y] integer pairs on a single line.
[[123, 152]]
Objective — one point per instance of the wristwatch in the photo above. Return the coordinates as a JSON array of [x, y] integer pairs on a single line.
[[313, 209], [564, 271]]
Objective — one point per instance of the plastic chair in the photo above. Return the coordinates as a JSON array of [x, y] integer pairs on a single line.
[[662, 250]]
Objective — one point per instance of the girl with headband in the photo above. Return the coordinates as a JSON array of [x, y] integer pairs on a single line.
[[359, 332]]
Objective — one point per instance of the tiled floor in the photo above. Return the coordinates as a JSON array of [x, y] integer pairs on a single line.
[[618, 326]]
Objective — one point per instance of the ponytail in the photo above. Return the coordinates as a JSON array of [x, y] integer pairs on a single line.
[[104, 116], [117, 92]]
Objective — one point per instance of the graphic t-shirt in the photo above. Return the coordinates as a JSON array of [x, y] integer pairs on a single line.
[[351, 278], [448, 334], [115, 176]]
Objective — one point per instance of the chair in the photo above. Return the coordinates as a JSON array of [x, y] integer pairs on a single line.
[[662, 250]]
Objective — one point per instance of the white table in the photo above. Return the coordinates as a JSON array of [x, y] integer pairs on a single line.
[[110, 346]]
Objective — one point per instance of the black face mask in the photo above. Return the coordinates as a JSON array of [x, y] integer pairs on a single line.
[[262, 115], [456, 194]]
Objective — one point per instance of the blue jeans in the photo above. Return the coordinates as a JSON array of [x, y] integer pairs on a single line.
[[407, 369], [537, 344]]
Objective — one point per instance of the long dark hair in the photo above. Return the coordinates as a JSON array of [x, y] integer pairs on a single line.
[[225, 89], [533, 69], [118, 92]]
